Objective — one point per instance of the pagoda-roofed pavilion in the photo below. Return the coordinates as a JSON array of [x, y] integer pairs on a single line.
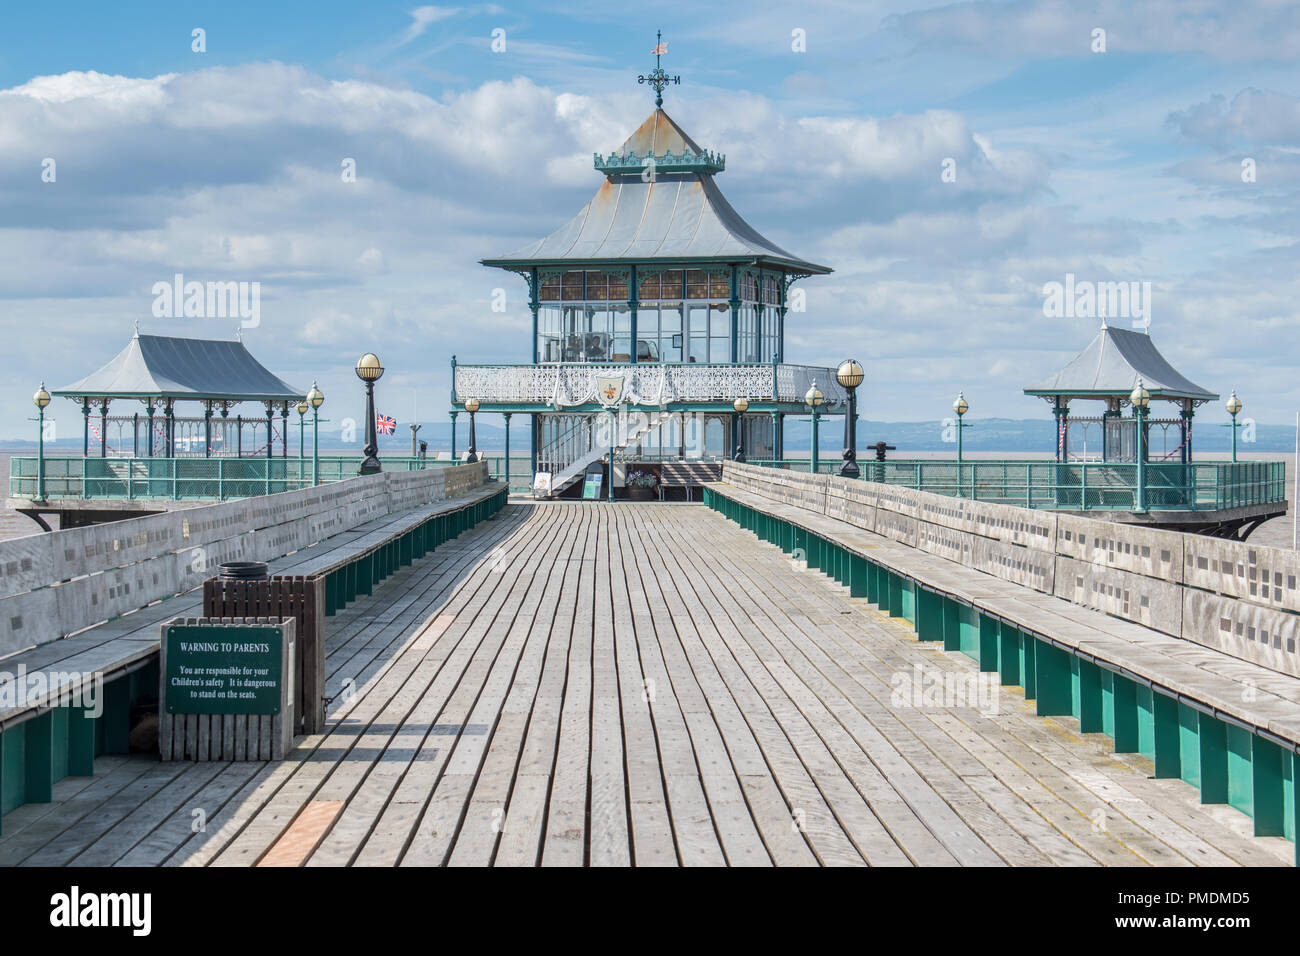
[[658, 299], [159, 371], [1108, 370]]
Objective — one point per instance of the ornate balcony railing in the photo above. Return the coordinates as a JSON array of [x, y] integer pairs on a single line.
[[567, 385]]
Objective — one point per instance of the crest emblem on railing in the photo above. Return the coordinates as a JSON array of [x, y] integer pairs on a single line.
[[609, 390]]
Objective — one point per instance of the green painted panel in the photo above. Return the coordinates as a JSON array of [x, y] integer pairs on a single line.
[[988, 643], [968, 634], [1028, 666], [929, 616], [858, 577], [1107, 679], [1189, 744], [1241, 782], [59, 733], [1090, 706], [13, 768], [1290, 765], [81, 743], [1267, 789], [951, 624], [1125, 715], [1213, 759], [1075, 690], [1052, 666], [1165, 711], [1009, 654], [1146, 724], [907, 601], [39, 752]]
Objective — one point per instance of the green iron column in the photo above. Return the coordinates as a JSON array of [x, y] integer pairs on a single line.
[[633, 304], [815, 417], [735, 316], [534, 304], [207, 428], [103, 430], [506, 469]]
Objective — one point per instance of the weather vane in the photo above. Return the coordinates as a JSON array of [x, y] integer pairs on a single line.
[[659, 79]]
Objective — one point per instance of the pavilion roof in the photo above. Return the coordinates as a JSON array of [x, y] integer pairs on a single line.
[[1110, 368], [679, 217], [158, 366]]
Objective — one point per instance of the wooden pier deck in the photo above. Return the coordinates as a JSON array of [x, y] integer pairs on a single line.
[[638, 684]]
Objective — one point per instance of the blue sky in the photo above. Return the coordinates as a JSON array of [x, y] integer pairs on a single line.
[[1120, 165]]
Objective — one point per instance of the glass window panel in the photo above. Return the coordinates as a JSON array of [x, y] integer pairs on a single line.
[[719, 287], [571, 287], [647, 333], [548, 334], [572, 335], [698, 321], [617, 288], [721, 321], [621, 351], [672, 284], [670, 331], [650, 287], [549, 290], [697, 284]]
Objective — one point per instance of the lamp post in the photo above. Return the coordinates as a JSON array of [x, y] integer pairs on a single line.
[[301, 408], [1233, 405], [41, 399], [850, 375], [961, 407], [370, 371], [471, 406], [815, 399], [741, 405], [1141, 398], [315, 398]]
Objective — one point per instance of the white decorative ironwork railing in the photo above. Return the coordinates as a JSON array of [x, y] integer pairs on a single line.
[[567, 385]]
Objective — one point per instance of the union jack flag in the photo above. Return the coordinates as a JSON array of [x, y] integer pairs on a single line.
[[385, 424], [659, 50]]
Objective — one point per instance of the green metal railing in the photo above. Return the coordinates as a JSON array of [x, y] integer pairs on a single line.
[[1078, 486], [207, 479]]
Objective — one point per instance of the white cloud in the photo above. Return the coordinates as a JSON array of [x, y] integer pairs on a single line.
[[424, 17], [234, 173]]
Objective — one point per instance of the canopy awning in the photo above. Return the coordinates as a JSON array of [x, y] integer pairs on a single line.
[[676, 216], [157, 366], [1110, 368]]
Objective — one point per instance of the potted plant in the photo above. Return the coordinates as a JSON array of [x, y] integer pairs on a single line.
[[642, 485]]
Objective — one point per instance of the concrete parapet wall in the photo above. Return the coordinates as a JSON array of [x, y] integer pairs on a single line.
[[60, 582], [1229, 595]]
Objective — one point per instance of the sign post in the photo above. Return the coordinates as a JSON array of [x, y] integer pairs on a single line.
[[227, 689]]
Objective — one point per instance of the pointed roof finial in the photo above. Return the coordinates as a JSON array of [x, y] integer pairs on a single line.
[[137, 328], [659, 79]]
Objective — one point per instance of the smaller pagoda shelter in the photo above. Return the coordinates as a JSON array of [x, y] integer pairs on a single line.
[[1107, 371], [160, 371]]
